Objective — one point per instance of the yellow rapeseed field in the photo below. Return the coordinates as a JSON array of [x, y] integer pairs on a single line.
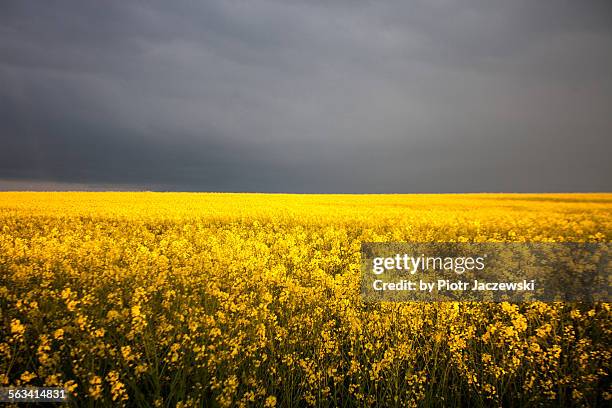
[[180, 299]]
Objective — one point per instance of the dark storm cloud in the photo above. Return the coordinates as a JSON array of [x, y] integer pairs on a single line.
[[306, 96]]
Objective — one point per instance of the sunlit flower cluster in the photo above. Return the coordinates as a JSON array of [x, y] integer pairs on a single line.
[[163, 299]]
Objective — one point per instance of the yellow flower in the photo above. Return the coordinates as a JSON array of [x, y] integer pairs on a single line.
[[71, 305], [66, 293], [126, 352], [112, 315], [535, 347], [71, 386], [135, 311], [95, 387], [58, 334], [118, 391], [270, 402], [27, 376], [17, 328]]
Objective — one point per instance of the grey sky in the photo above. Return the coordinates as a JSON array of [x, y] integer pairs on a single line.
[[306, 96]]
